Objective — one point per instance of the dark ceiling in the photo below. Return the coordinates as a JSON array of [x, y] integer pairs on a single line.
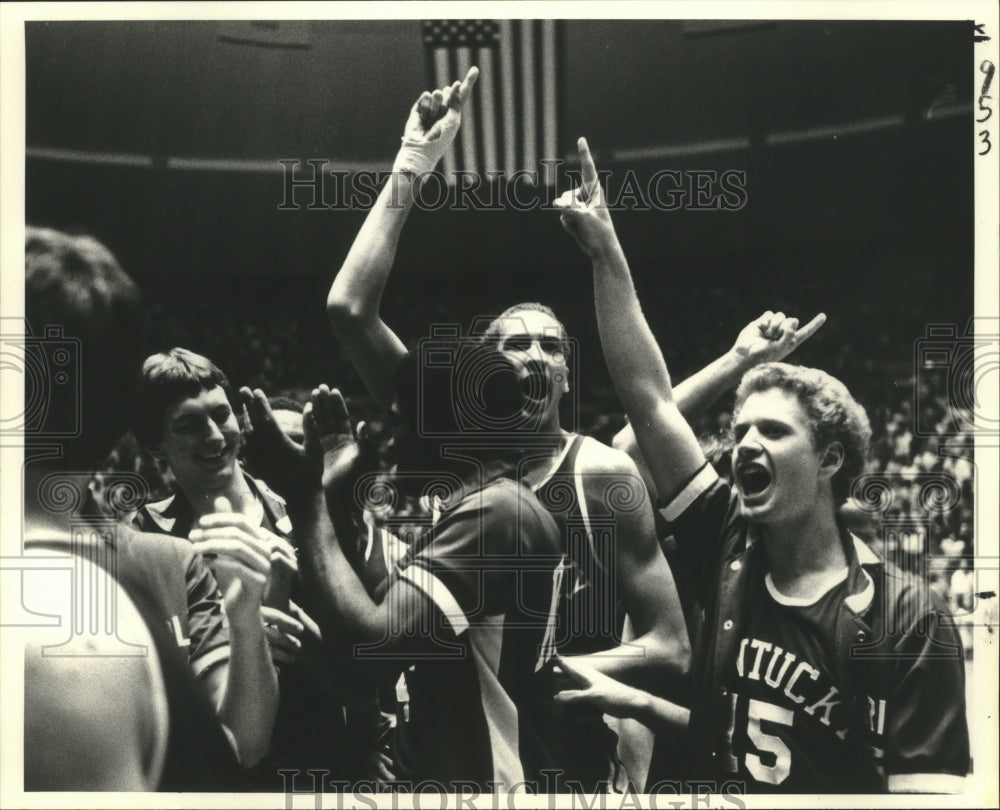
[[179, 88]]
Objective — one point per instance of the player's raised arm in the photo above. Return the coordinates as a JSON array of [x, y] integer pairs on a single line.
[[769, 338], [340, 603], [355, 298], [634, 359]]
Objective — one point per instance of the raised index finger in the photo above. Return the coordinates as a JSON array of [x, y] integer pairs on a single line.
[[587, 167], [456, 100], [810, 328]]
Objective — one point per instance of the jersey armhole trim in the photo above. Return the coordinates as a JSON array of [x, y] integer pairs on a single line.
[[434, 589], [212, 658], [702, 480]]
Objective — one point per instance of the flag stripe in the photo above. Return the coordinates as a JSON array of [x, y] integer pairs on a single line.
[[507, 88], [442, 70], [549, 142], [488, 107], [463, 59], [529, 150]]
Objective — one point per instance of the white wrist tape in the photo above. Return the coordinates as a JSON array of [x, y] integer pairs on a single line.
[[417, 157]]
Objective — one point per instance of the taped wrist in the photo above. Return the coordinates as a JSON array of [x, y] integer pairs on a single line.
[[417, 158]]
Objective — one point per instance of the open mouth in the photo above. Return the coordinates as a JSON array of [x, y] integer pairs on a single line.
[[213, 458], [753, 478], [535, 387]]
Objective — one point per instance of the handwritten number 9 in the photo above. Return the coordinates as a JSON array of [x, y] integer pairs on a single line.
[[987, 68]]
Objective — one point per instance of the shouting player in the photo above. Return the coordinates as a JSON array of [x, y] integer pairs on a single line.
[[593, 491], [822, 669]]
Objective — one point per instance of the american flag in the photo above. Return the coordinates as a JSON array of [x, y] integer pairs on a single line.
[[511, 123]]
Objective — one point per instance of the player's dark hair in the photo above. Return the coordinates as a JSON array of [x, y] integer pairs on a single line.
[[492, 332], [477, 407], [718, 450], [75, 292], [833, 414], [167, 378], [281, 403]]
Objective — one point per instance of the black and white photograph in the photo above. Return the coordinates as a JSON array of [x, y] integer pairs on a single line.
[[584, 405]]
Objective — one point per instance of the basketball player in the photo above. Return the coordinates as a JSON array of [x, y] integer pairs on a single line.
[[822, 668], [186, 417], [119, 742], [213, 672], [469, 609]]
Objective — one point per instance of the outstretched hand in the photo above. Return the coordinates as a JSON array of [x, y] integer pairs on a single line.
[[290, 469], [772, 337], [434, 120], [585, 214], [346, 455]]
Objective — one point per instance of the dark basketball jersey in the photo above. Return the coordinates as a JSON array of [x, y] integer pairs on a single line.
[[791, 730], [309, 729], [591, 612], [591, 615], [481, 701]]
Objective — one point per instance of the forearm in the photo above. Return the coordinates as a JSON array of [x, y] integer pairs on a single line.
[[660, 715], [355, 298], [634, 359], [250, 701], [698, 392], [343, 608], [651, 662], [358, 286]]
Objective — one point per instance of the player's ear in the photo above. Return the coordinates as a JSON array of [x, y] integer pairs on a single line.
[[832, 460]]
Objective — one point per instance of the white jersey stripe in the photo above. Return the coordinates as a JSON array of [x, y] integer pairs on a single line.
[[486, 643], [205, 662], [438, 593], [687, 496]]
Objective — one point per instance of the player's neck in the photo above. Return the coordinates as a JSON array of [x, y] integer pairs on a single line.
[[550, 424], [235, 490], [803, 551]]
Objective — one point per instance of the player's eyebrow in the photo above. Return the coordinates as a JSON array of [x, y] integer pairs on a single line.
[[762, 422], [184, 418]]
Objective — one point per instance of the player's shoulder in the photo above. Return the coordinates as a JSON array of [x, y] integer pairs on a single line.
[[905, 597], [161, 552], [502, 492], [504, 499], [597, 458]]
